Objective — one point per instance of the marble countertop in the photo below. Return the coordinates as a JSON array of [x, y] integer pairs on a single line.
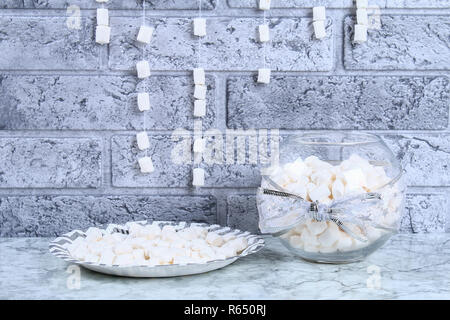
[[407, 267]]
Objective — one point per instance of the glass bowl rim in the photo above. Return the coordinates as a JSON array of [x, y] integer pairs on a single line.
[[360, 138]]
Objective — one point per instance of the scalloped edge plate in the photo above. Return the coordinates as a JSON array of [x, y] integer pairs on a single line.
[[58, 248]]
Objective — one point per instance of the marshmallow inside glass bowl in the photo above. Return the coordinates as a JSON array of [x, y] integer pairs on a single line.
[[333, 197]]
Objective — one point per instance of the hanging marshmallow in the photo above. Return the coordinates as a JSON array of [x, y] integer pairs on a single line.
[[143, 100], [199, 145], [319, 29], [143, 69], [319, 13], [145, 34], [264, 33], [102, 34], [199, 76], [101, 0], [198, 177], [263, 76], [362, 17], [102, 17], [360, 35], [199, 108], [200, 27], [200, 92], [142, 140], [146, 165], [362, 4], [264, 4]]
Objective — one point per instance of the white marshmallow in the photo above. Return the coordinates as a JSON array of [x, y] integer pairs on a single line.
[[354, 179], [135, 229], [102, 17], [200, 92], [344, 243], [199, 108], [362, 4], [79, 253], [93, 234], [199, 145], [198, 177], [320, 193], [264, 4], [308, 238], [360, 35], [139, 254], [199, 76], [296, 242], [142, 140], [319, 29], [264, 75], [145, 34], [239, 244], [330, 236], [102, 34], [214, 239], [319, 13], [361, 17], [102, 1], [199, 27], [146, 164], [338, 189], [123, 248], [264, 33], [143, 100], [107, 257], [143, 69], [152, 231], [227, 250], [91, 258], [95, 248], [316, 227], [124, 259]]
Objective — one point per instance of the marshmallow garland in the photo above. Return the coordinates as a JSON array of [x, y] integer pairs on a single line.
[[102, 30], [362, 22], [200, 90], [144, 37], [264, 37], [319, 17]]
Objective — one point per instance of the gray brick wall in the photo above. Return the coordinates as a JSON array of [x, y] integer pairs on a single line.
[[68, 114]]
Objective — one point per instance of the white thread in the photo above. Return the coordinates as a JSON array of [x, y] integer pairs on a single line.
[[264, 44], [199, 64], [144, 81]]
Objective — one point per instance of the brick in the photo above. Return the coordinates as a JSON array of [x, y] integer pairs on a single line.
[[50, 163], [343, 3], [402, 43], [98, 102], [425, 157], [46, 43], [424, 213], [49, 216], [112, 4], [417, 4], [232, 45], [172, 172], [339, 102]]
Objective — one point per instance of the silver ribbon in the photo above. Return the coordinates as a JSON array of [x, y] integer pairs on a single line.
[[340, 211]]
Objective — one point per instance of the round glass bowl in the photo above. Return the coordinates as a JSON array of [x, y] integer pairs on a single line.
[[333, 197]]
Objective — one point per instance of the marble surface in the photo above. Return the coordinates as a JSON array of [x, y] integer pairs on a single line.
[[409, 266]]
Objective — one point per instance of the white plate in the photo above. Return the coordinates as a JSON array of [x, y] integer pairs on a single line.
[[58, 247]]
